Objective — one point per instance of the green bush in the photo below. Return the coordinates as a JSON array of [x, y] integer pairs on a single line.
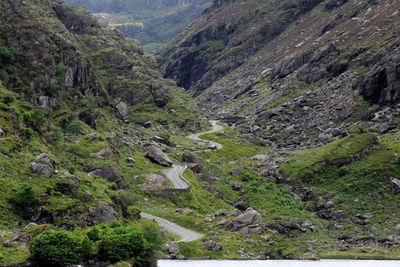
[[152, 234], [25, 200], [60, 248], [123, 243], [75, 127], [35, 119]]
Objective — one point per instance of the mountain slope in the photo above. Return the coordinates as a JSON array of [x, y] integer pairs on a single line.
[[153, 23]]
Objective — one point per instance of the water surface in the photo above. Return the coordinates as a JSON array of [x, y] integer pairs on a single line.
[[280, 263]]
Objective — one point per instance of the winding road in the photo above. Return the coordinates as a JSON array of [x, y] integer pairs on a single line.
[[175, 175]]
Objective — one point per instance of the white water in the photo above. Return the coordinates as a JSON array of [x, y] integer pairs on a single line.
[[280, 263]]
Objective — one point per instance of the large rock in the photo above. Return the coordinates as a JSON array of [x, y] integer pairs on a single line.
[[212, 245], [122, 109], [43, 166], [249, 222], [111, 174], [103, 213], [155, 154], [189, 157]]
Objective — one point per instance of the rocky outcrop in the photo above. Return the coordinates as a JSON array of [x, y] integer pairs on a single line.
[[158, 156], [122, 108], [111, 174], [43, 166], [103, 213], [153, 181], [250, 222], [194, 162]]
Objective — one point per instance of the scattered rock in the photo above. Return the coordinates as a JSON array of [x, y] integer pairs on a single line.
[[395, 186], [43, 166], [237, 186], [247, 223], [173, 250], [103, 213], [122, 109], [111, 174], [2, 133], [197, 168], [235, 172], [147, 124], [155, 154], [221, 213], [161, 140], [241, 205], [212, 245]]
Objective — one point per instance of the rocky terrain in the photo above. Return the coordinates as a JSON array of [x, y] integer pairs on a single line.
[[152, 22], [95, 144]]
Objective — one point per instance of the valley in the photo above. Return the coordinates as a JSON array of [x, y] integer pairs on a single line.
[[262, 130]]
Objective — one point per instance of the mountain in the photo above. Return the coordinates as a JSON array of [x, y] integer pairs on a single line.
[[317, 82], [152, 22]]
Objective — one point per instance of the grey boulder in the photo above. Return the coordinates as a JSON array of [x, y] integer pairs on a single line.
[[395, 186], [249, 222], [122, 109], [43, 166], [103, 213], [158, 156]]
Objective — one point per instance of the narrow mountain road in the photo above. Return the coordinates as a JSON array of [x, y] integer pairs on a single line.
[[175, 174], [215, 128]]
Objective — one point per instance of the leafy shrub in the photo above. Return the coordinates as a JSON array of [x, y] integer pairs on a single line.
[[75, 127], [60, 248], [152, 234], [35, 119], [25, 200], [123, 243]]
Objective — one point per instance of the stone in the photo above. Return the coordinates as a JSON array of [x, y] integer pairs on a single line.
[[158, 156], [212, 245], [197, 168], [237, 186], [130, 160], [2, 133], [189, 157], [241, 205], [221, 223], [173, 249], [221, 213], [110, 173], [395, 186], [247, 223], [235, 172], [43, 166], [147, 124], [122, 109], [161, 140], [103, 213]]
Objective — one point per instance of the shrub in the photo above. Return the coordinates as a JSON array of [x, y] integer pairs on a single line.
[[75, 127], [60, 248], [123, 243], [25, 200], [152, 234], [35, 119]]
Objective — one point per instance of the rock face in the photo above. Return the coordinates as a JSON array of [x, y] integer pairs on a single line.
[[250, 222], [103, 213], [395, 186], [43, 166], [157, 155]]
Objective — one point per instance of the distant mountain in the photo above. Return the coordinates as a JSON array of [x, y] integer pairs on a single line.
[[152, 22]]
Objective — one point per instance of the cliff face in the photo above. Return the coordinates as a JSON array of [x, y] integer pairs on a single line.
[[152, 22]]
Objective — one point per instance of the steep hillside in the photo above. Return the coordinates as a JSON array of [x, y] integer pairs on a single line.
[[78, 104], [317, 83], [153, 22]]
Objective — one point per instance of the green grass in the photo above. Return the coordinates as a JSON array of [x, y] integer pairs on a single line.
[[303, 164]]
